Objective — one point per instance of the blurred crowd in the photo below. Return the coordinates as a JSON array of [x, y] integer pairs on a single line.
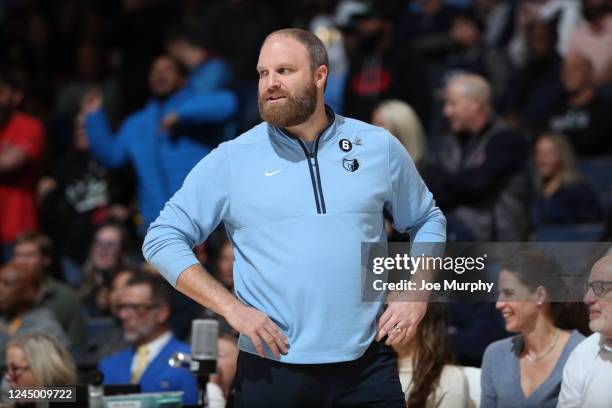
[[505, 106]]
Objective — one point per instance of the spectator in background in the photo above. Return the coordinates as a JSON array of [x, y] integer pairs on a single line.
[[380, 69], [427, 376], [109, 340], [426, 23], [38, 360], [22, 143], [481, 170], [163, 140], [586, 376], [468, 52], [34, 252], [593, 38], [144, 307], [19, 290], [585, 119], [534, 92], [91, 68], [525, 370], [76, 197], [107, 336], [562, 14], [402, 122], [107, 255], [561, 196], [207, 71]]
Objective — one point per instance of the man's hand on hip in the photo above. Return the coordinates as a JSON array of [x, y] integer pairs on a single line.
[[258, 327], [400, 321]]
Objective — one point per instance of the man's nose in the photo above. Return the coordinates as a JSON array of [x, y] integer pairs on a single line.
[[589, 297], [122, 314], [272, 81]]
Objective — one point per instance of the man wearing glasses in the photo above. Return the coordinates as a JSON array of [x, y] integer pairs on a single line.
[[144, 309], [586, 377]]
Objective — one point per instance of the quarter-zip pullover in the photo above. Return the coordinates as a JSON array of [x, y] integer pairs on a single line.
[[296, 218]]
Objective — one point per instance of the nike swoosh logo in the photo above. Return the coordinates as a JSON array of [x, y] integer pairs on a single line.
[[271, 173]]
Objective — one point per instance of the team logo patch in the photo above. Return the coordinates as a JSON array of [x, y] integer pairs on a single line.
[[345, 145], [350, 164]]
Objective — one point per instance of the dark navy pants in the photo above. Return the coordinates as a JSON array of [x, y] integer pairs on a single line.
[[370, 381]]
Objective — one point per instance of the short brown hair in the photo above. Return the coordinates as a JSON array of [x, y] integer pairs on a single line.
[[161, 292], [43, 242], [317, 54]]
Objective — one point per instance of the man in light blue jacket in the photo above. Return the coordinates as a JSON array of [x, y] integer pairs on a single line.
[[298, 194]]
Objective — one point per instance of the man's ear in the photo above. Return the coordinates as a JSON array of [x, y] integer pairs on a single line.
[[320, 76]]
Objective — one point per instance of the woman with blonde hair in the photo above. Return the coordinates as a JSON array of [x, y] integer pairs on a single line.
[[402, 122], [36, 359], [562, 197]]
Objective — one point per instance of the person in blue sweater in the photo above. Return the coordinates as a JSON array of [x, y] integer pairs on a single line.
[[144, 307], [164, 139], [298, 194]]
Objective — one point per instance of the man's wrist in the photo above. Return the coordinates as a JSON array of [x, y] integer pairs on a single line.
[[229, 307]]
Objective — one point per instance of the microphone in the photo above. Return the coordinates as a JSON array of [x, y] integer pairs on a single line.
[[204, 336]]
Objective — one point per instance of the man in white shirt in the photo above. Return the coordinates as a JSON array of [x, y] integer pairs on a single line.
[[586, 377]]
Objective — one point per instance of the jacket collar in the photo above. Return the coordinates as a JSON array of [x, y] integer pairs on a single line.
[[326, 134]]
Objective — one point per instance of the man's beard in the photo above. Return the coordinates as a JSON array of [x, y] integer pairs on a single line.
[[295, 110]]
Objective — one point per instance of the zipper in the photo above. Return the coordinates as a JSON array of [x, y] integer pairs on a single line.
[[313, 163], [315, 176]]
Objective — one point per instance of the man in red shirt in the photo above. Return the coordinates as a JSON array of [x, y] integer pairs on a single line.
[[22, 143]]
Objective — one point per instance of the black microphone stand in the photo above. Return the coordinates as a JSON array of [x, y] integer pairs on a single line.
[[202, 396], [202, 369]]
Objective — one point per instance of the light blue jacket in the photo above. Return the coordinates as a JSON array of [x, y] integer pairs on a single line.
[[296, 222]]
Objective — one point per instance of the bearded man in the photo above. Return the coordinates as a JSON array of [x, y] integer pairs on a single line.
[[298, 194]]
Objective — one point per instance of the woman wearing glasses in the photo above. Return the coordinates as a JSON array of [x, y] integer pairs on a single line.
[[526, 370], [35, 360]]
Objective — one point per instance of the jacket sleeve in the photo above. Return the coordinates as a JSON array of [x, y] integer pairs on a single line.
[[411, 204], [189, 216], [110, 150], [208, 107]]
